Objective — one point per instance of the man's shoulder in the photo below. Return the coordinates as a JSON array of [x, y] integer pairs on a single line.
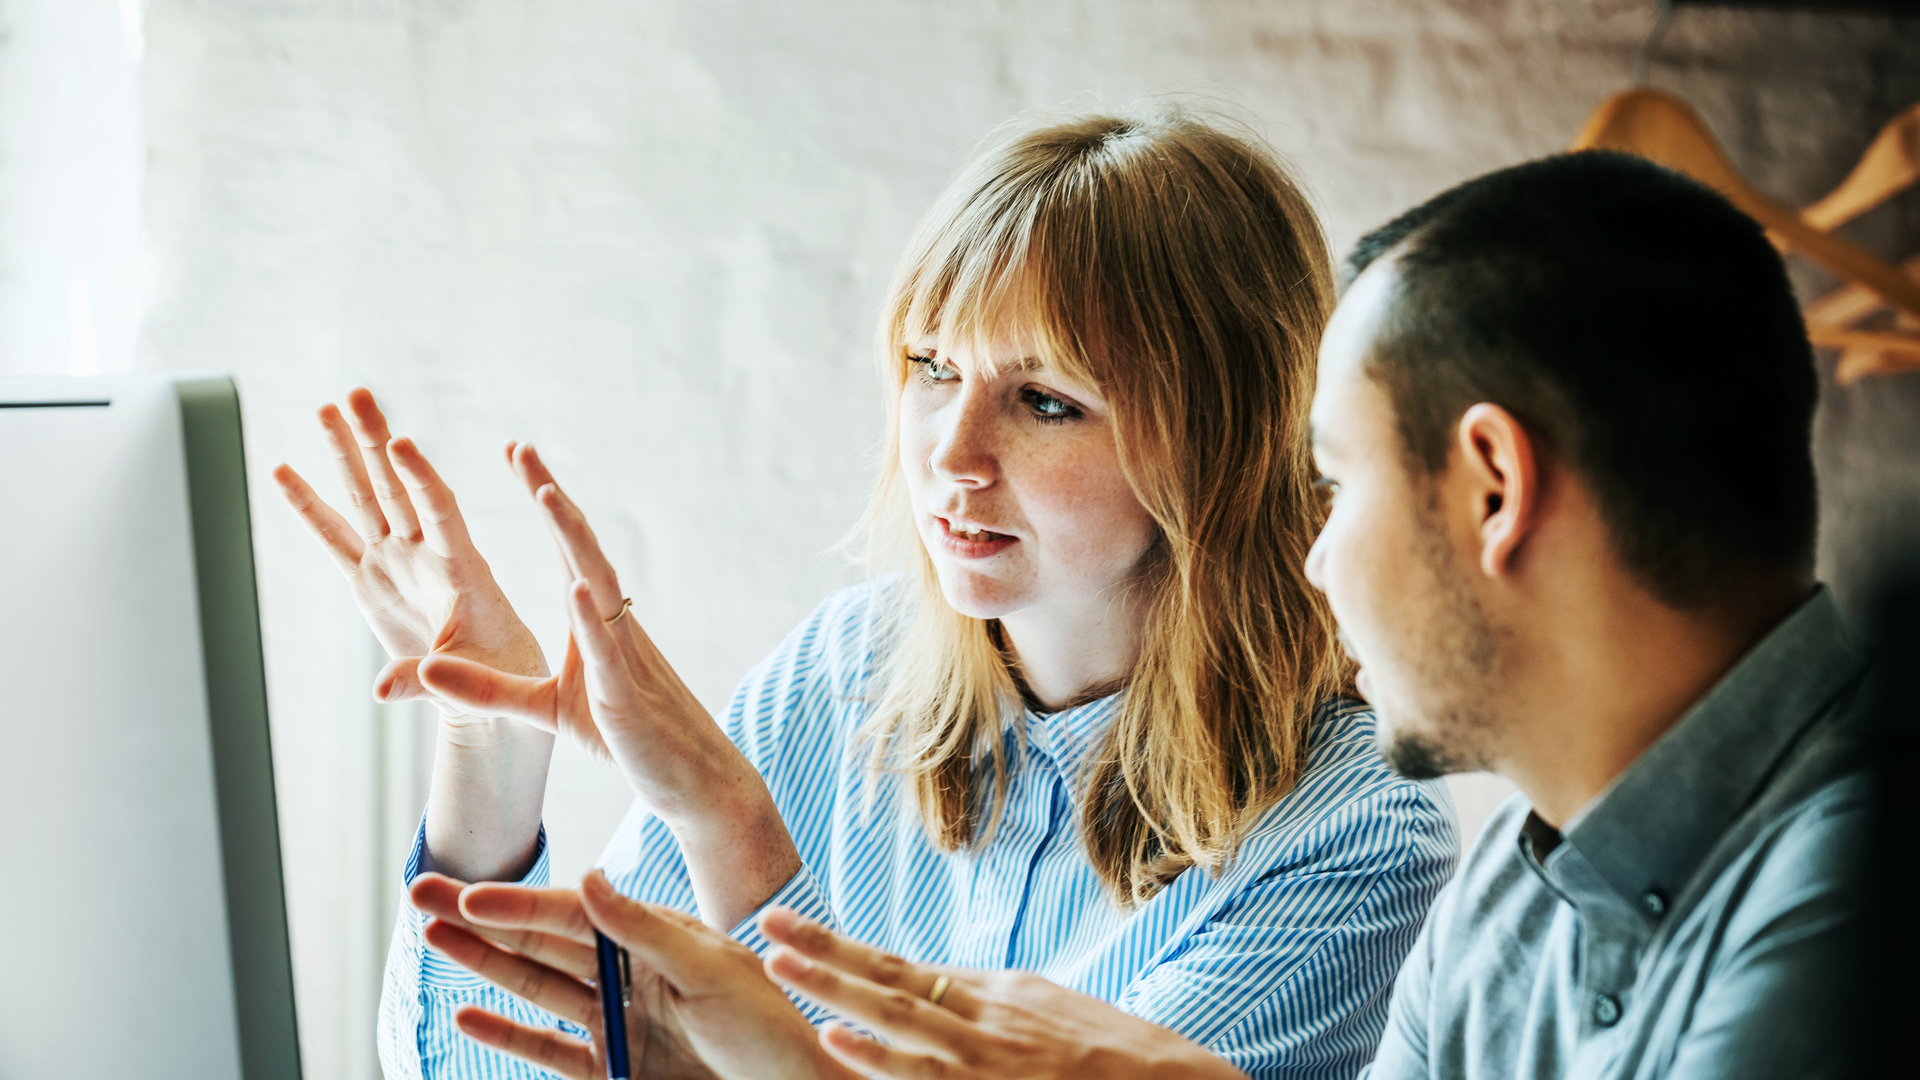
[[1837, 812], [1801, 860]]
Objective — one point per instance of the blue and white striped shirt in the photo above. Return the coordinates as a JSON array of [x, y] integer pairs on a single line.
[[1281, 964]]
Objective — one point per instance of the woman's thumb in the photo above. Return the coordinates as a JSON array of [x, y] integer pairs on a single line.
[[482, 691], [399, 681]]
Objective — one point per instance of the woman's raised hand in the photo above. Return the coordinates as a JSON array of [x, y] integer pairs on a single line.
[[404, 549], [617, 696]]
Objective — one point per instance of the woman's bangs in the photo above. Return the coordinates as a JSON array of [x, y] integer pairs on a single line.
[[990, 268]]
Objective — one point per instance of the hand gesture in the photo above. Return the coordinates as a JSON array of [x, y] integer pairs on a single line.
[[404, 549], [701, 1007], [1004, 1025], [617, 696]]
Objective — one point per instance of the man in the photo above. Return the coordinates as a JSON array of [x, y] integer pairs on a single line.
[[1566, 411], [1564, 417]]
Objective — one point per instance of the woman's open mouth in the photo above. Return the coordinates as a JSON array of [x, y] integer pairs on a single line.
[[970, 541]]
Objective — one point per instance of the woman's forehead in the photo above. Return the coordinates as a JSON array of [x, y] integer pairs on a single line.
[[1003, 347], [1011, 329]]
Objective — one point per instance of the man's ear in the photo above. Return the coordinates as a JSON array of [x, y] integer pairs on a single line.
[[1501, 472]]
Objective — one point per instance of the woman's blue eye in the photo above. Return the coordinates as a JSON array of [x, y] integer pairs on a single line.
[[1047, 408], [933, 371]]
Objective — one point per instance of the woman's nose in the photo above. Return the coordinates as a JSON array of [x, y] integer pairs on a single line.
[[1317, 562], [965, 452]]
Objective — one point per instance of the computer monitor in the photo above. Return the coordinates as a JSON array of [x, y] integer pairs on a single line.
[[140, 886]]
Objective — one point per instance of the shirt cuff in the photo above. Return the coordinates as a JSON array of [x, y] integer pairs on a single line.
[[436, 971], [534, 878], [803, 894]]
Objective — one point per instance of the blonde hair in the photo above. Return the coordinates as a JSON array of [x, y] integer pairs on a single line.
[[1181, 272]]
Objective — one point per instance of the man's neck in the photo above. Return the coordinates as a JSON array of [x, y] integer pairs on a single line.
[[1611, 672]]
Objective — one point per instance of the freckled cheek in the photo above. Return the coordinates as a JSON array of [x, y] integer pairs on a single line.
[[1082, 508], [918, 437]]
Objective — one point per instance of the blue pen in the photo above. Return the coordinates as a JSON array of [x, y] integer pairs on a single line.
[[616, 993]]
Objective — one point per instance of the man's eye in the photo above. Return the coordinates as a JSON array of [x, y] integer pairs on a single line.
[[1048, 408], [933, 370]]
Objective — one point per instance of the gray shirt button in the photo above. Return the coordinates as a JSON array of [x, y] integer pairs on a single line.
[[1606, 1010], [1653, 903]]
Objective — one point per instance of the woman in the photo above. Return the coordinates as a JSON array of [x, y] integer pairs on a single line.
[[1095, 732]]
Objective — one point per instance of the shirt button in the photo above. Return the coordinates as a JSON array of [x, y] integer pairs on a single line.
[[1653, 903], [1606, 1010]]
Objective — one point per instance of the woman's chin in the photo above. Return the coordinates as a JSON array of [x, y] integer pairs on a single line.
[[978, 597]]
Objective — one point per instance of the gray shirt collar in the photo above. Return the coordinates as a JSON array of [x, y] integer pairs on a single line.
[[1665, 813]]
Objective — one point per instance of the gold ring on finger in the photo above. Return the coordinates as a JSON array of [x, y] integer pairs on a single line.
[[940, 986], [626, 605]]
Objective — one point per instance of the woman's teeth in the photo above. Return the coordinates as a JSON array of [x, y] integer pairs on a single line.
[[969, 532]]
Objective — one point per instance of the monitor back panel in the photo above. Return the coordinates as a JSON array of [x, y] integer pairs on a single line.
[[141, 921]]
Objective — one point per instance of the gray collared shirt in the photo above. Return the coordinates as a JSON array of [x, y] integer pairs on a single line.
[[1691, 924]]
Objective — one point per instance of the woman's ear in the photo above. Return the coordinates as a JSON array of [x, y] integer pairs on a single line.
[[1500, 472]]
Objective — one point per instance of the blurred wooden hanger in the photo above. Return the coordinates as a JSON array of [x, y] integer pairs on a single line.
[[1664, 129], [1890, 166]]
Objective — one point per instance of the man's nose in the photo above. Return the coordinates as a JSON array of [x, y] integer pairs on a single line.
[[967, 452]]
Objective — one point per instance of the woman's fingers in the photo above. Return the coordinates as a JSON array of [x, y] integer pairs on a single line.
[[439, 896], [809, 939], [544, 1047], [535, 983], [562, 954], [678, 946], [369, 427], [609, 676], [333, 531], [549, 911], [582, 548], [525, 462], [605, 665], [869, 1058], [535, 923], [441, 525], [481, 691], [902, 1016], [363, 507], [400, 681]]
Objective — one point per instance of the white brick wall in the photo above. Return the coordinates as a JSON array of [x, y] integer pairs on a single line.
[[651, 235]]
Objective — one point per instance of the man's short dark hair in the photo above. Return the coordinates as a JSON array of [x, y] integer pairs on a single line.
[[1639, 326]]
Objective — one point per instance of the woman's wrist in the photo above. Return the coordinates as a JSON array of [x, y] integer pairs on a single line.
[[725, 799], [483, 807], [737, 849], [464, 732]]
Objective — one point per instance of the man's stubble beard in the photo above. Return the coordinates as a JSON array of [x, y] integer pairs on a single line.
[[1456, 661]]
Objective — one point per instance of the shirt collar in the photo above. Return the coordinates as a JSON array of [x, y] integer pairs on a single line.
[[1666, 811], [1067, 736]]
